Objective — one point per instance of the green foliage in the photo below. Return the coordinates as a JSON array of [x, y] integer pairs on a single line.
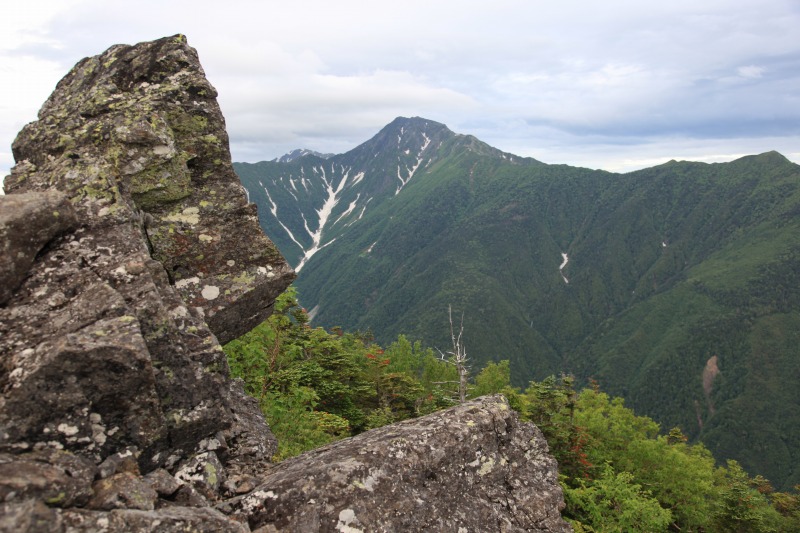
[[678, 475], [316, 386], [788, 505], [613, 502], [297, 425], [620, 474], [617, 471], [494, 378], [550, 404], [438, 379], [741, 507]]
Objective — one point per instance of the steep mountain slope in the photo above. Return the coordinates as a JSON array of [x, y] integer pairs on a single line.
[[675, 287], [307, 195]]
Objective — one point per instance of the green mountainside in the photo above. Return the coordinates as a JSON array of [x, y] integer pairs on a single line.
[[618, 471], [676, 287]]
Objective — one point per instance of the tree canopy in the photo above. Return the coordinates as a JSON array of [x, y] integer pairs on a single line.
[[619, 471]]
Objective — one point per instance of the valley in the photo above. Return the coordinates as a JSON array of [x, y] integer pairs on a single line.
[[634, 280]]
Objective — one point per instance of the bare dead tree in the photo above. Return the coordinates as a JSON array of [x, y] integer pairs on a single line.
[[458, 356]]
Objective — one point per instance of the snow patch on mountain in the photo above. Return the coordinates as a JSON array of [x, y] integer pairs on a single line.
[[323, 213], [274, 210], [561, 268], [410, 171], [349, 209]]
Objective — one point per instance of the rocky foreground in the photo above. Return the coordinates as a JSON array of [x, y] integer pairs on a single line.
[[128, 253]]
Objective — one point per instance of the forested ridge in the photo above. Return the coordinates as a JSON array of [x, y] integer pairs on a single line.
[[674, 287], [619, 471]]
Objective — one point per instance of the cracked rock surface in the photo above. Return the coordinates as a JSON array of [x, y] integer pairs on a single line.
[[473, 467]]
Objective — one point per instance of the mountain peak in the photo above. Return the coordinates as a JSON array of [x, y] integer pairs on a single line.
[[404, 127], [772, 157], [766, 160], [404, 138], [296, 154], [411, 122]]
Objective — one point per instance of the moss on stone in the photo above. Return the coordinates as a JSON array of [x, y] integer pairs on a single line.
[[161, 183], [55, 500], [187, 124], [211, 473], [66, 142]]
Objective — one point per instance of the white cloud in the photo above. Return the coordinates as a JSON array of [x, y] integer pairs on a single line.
[[574, 82], [750, 71]]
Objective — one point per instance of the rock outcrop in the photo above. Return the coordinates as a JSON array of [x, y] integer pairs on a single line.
[[474, 467], [129, 253], [121, 287]]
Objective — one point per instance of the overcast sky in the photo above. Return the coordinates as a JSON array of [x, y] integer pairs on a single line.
[[617, 84]]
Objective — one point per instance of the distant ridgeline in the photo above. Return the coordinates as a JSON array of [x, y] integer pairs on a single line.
[[676, 287]]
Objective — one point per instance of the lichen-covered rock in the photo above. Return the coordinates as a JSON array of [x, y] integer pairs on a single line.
[[167, 520], [203, 471], [188, 496], [474, 467], [31, 516], [249, 435], [123, 491], [121, 461], [57, 478], [163, 482], [142, 253], [139, 128]]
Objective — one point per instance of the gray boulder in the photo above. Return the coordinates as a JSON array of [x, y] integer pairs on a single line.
[[474, 467]]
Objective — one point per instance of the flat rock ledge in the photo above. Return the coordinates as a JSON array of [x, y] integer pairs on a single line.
[[129, 253]]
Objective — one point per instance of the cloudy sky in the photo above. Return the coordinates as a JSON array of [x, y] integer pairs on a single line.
[[617, 84]]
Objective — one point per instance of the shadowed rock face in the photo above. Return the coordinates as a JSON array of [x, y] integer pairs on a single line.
[[129, 253], [27, 223]]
